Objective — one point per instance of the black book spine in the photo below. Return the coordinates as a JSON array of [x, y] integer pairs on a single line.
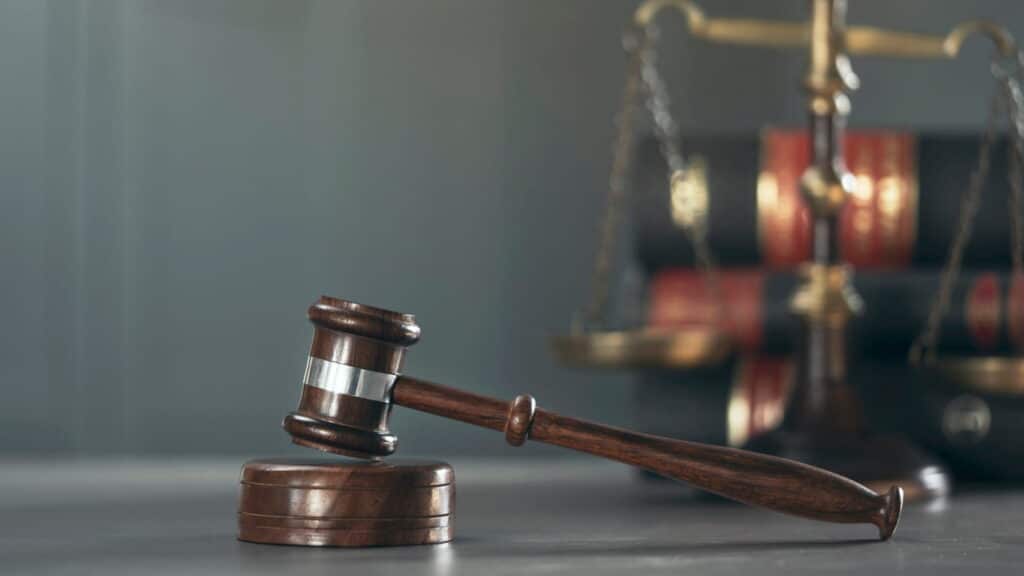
[[973, 428], [961, 415], [904, 214]]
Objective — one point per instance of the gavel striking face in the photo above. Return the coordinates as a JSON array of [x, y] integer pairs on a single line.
[[353, 377]]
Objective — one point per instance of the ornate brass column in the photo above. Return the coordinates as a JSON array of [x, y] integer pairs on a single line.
[[824, 421], [826, 300]]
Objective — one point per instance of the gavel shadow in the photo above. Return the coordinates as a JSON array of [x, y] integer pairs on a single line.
[[478, 546]]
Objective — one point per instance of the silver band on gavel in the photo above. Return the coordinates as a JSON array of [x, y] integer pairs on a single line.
[[348, 380]]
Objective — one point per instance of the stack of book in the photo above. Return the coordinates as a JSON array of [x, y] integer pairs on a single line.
[[895, 231]]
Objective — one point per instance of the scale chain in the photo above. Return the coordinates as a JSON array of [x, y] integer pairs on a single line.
[[642, 72], [596, 312], [1009, 98], [1015, 106], [666, 130]]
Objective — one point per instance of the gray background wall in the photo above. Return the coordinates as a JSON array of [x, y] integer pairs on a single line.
[[180, 178]]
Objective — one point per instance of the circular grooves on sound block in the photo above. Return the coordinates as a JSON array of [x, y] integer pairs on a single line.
[[346, 503], [344, 538], [334, 503], [322, 473]]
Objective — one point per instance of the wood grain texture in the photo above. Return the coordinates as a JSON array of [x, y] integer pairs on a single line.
[[353, 475], [760, 480], [361, 336], [359, 319], [346, 503], [450, 403], [328, 435], [393, 499], [356, 351], [341, 409], [344, 538], [520, 419], [328, 423]]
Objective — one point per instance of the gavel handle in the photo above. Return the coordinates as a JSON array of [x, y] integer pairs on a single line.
[[752, 478]]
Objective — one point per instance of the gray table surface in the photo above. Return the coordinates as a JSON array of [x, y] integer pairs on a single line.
[[514, 517]]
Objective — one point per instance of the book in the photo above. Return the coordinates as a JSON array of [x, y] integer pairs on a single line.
[[960, 414], [970, 413], [903, 212], [751, 306], [725, 405]]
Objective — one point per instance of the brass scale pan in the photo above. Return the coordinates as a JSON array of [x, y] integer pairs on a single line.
[[691, 348]]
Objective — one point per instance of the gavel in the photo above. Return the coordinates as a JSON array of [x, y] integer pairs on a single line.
[[354, 376]]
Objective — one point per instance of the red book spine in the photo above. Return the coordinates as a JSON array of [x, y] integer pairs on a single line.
[[878, 225], [757, 400], [682, 298], [751, 308]]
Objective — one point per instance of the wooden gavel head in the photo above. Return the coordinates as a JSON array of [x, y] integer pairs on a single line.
[[354, 360]]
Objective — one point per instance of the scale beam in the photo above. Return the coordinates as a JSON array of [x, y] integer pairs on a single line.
[[857, 40]]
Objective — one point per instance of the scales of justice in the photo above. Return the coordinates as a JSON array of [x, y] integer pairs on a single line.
[[823, 423]]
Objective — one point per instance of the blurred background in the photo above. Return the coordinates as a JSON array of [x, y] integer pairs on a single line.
[[181, 178]]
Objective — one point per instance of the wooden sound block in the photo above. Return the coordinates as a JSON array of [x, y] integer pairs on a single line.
[[351, 503]]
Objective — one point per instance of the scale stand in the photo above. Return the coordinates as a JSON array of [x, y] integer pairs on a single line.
[[824, 423]]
